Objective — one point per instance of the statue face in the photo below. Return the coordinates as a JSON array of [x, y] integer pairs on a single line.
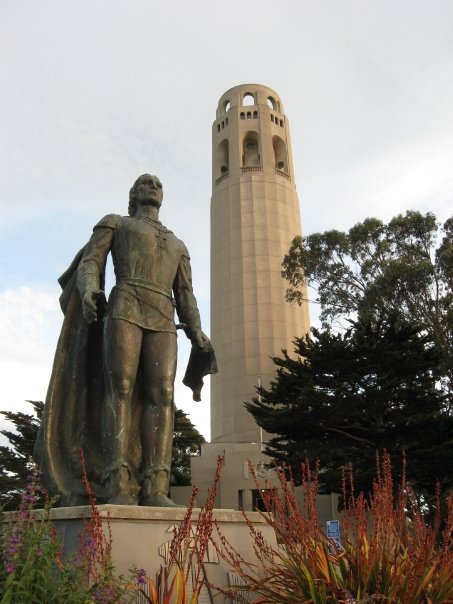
[[149, 191]]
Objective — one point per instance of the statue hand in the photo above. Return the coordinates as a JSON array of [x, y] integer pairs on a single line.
[[89, 304], [199, 338]]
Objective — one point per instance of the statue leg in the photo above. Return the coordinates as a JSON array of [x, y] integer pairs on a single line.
[[159, 351], [123, 342]]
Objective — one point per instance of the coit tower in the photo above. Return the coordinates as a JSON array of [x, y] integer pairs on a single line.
[[254, 217]]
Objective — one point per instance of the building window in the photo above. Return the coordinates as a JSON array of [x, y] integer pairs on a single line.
[[281, 123], [258, 499], [272, 103], [248, 99], [222, 159], [250, 150], [226, 106], [280, 154], [218, 127], [255, 115], [242, 115], [249, 115]]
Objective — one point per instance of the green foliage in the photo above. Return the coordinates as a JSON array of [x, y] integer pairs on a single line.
[[32, 569], [15, 459], [187, 443], [405, 265], [347, 395]]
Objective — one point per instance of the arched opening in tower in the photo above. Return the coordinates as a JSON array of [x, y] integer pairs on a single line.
[[272, 103], [250, 150], [280, 154], [222, 158]]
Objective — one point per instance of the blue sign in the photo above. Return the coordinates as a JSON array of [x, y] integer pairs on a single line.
[[333, 531]]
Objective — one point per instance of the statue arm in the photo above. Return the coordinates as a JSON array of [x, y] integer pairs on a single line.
[[92, 266], [186, 304]]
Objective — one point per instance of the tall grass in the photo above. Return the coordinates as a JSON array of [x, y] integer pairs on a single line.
[[184, 571], [389, 553]]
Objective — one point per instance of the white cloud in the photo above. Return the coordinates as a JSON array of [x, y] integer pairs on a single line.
[[29, 324]]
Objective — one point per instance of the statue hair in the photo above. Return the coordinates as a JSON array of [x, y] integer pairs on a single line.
[[133, 198]]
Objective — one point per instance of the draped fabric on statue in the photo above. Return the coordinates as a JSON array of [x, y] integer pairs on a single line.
[[72, 419]]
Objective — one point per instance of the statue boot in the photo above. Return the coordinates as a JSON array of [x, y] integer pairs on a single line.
[[155, 486], [121, 486]]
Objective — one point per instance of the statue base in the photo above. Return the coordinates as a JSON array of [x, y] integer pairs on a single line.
[[141, 538]]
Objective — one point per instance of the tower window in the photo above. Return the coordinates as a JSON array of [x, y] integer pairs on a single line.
[[242, 115], [250, 150], [218, 127], [248, 99], [280, 154], [226, 106], [255, 115], [281, 123], [249, 115], [272, 118], [272, 103], [222, 158]]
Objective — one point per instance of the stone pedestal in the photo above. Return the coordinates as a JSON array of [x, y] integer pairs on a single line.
[[142, 535]]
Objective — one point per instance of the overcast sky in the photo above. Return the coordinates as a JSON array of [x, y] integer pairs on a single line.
[[95, 92]]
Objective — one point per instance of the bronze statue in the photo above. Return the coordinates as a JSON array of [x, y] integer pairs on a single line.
[[111, 390]]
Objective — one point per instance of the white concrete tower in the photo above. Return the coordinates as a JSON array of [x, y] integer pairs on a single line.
[[254, 217]]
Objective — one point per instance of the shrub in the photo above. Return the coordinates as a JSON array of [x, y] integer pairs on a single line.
[[389, 552]]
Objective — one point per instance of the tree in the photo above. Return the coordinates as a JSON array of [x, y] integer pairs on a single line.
[[14, 459], [187, 443], [405, 265], [347, 395]]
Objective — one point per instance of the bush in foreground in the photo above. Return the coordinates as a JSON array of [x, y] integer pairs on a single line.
[[388, 553]]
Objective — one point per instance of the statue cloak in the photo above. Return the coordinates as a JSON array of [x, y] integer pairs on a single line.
[[72, 419]]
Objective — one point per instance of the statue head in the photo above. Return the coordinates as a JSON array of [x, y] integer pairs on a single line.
[[154, 198]]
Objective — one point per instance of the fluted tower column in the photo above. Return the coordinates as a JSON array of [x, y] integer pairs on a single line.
[[254, 217]]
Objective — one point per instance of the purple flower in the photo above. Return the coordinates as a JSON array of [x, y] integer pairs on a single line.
[[104, 595], [141, 576]]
